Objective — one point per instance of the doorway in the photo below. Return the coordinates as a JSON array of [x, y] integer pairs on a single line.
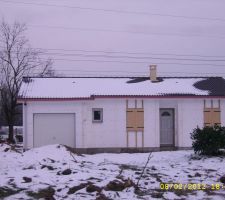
[[167, 127]]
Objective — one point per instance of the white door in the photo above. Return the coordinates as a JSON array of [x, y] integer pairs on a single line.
[[54, 129], [166, 127]]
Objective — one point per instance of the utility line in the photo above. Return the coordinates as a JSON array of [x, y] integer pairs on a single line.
[[130, 32], [148, 57], [134, 62], [130, 57], [124, 52], [115, 52], [116, 11]]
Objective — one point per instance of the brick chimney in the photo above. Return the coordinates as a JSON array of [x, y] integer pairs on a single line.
[[153, 73]]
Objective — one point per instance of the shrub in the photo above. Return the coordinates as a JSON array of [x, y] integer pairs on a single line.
[[208, 140]]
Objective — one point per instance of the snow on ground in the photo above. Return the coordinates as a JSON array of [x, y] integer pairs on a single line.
[[53, 172]]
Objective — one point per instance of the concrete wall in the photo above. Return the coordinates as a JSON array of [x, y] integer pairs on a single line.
[[111, 133]]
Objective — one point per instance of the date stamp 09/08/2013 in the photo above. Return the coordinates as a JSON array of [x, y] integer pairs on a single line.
[[191, 186]]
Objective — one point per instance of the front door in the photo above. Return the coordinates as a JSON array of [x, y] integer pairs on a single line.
[[166, 127]]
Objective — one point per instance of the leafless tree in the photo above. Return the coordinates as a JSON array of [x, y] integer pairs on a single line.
[[17, 59]]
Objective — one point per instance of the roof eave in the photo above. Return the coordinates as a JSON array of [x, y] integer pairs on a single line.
[[92, 97]]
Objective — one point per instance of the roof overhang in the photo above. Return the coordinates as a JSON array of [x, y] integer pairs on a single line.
[[92, 97]]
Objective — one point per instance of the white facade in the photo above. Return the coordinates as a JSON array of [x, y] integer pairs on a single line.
[[111, 133]]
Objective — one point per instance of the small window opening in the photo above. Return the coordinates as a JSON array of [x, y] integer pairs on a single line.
[[97, 115]]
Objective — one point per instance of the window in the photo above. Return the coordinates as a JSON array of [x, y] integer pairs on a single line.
[[97, 115], [165, 114]]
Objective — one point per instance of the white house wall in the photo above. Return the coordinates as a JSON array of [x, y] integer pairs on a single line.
[[222, 105], [151, 123], [190, 115], [52, 107], [112, 131]]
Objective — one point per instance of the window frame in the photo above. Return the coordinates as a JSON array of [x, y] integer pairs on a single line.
[[101, 115]]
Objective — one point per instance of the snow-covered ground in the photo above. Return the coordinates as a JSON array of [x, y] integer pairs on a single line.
[[53, 172]]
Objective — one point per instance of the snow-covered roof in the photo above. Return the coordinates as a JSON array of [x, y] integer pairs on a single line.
[[83, 87]]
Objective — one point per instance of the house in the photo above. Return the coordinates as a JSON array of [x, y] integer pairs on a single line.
[[119, 114]]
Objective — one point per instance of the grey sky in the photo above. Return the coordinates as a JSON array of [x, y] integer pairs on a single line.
[[181, 27]]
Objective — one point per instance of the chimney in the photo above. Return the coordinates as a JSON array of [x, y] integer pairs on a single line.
[[153, 73]]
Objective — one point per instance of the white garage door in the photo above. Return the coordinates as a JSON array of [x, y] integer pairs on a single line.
[[54, 129]]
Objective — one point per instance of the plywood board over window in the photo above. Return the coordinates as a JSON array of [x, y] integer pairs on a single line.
[[212, 113], [135, 123], [135, 119]]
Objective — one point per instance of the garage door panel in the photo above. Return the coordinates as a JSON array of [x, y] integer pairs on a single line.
[[54, 129]]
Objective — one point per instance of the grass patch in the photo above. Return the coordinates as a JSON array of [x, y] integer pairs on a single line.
[[130, 167], [46, 193], [6, 191], [154, 193]]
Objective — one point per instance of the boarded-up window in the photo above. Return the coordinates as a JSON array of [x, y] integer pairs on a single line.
[[212, 113], [135, 119], [135, 123], [212, 116]]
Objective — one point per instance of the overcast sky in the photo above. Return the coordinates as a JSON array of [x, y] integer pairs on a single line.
[[123, 37]]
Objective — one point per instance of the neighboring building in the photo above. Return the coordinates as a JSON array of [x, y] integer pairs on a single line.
[[119, 114]]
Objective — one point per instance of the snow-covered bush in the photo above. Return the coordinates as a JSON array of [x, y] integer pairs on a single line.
[[208, 140]]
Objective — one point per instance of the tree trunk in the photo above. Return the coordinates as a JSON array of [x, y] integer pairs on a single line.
[[11, 134]]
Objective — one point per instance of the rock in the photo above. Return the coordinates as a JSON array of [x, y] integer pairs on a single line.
[[102, 197], [48, 167], [76, 188], [51, 168], [128, 183], [52, 161], [93, 188], [152, 182], [222, 179], [115, 185], [11, 180], [66, 172], [138, 173], [153, 168], [27, 179], [197, 174], [30, 167], [6, 149]]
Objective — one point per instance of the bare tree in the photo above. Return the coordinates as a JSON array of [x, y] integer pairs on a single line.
[[17, 59]]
